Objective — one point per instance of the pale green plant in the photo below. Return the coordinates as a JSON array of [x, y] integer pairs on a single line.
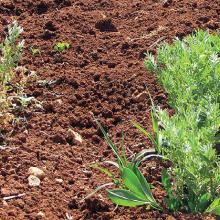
[[11, 51], [189, 70], [10, 54]]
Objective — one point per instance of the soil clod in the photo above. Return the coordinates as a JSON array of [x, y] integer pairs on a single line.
[[106, 25]]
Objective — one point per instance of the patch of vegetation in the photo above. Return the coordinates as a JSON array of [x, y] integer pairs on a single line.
[[10, 54], [133, 189], [35, 51], [189, 70], [12, 95], [61, 46]]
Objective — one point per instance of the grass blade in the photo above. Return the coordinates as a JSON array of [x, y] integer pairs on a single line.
[[105, 171], [111, 144], [143, 131]]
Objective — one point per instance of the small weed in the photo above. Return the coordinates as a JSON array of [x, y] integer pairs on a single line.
[[133, 189], [35, 51], [10, 54], [61, 46], [12, 95]]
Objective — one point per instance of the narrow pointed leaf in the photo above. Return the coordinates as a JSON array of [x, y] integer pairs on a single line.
[[166, 181], [96, 190], [105, 171], [152, 155], [204, 201], [143, 131], [123, 149], [111, 144], [111, 163]]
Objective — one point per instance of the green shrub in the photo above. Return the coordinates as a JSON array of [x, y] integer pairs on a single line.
[[10, 53], [189, 70]]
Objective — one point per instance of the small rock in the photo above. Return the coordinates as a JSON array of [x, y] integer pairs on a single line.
[[35, 171], [76, 136], [25, 131], [33, 181], [167, 3], [33, 73], [4, 203], [59, 101], [5, 191], [140, 97], [59, 180], [41, 215]]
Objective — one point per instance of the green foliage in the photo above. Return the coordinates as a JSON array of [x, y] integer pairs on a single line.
[[10, 52], [214, 207], [189, 70], [61, 46], [171, 201], [134, 190], [35, 51]]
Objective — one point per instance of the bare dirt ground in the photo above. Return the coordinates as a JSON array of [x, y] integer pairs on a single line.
[[98, 76]]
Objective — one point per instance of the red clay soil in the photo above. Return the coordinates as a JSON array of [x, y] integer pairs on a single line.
[[98, 76]]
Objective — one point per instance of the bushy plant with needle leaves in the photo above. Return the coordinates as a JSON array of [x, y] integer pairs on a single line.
[[189, 70]]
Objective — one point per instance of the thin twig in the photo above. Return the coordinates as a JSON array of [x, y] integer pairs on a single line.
[[13, 197], [157, 41]]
